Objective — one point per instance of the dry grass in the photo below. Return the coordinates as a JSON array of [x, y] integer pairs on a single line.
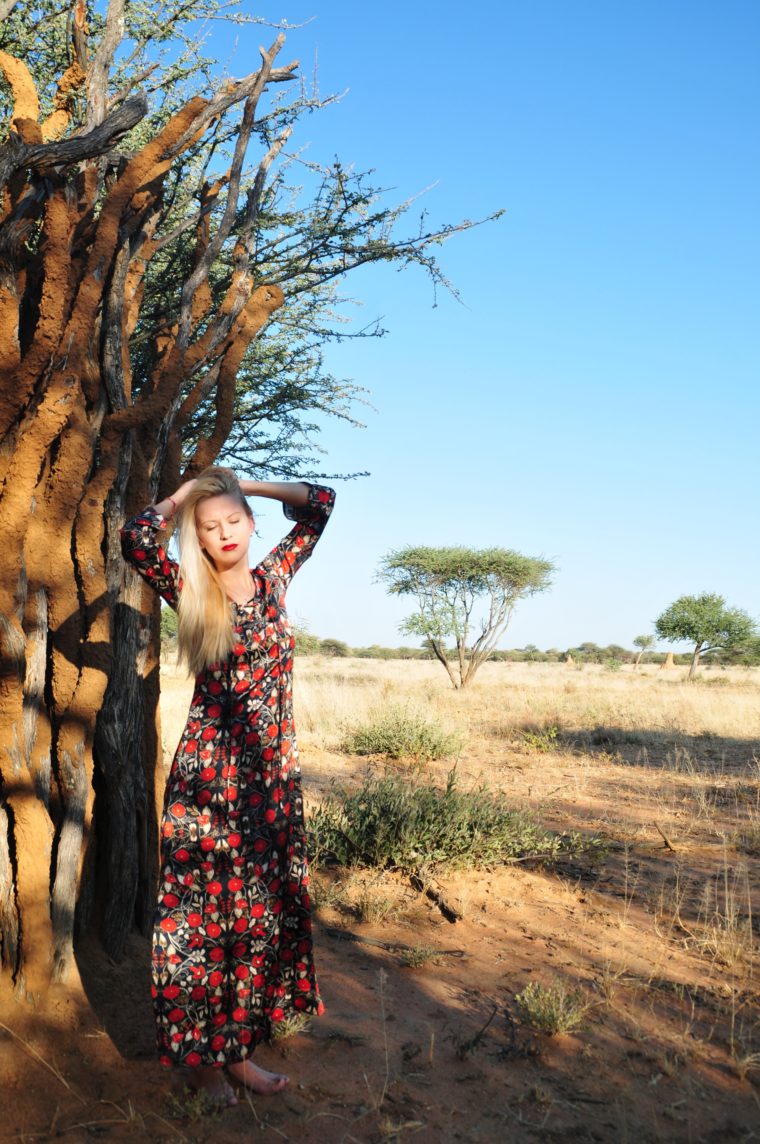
[[649, 709], [668, 772]]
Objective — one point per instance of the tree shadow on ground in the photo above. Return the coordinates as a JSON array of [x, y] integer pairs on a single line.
[[441, 1052], [704, 753]]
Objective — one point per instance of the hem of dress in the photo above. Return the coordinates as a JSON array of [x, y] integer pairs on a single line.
[[236, 1060]]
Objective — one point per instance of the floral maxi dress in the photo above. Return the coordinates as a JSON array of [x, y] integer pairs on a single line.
[[232, 948]]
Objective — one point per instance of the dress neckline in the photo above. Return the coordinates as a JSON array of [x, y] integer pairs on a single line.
[[253, 595]]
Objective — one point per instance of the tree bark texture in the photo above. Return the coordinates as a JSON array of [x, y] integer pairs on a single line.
[[81, 445]]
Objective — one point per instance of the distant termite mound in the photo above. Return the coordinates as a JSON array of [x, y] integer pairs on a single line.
[[668, 661]]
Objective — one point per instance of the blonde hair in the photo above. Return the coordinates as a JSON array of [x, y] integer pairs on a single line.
[[204, 630]]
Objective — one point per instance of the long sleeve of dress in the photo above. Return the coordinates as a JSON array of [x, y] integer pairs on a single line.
[[142, 548], [284, 561]]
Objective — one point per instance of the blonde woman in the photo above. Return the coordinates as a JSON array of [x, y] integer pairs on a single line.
[[232, 950]]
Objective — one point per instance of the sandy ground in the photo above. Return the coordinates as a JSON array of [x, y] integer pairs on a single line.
[[660, 938]]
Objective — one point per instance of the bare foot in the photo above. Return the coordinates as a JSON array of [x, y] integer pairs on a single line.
[[257, 1079], [213, 1084]]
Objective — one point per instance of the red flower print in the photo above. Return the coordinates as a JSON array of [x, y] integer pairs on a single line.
[[235, 874]]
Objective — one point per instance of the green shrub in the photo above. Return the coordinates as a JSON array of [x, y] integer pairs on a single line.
[[306, 643], [396, 732], [540, 739], [335, 648], [408, 822], [168, 627], [553, 1008]]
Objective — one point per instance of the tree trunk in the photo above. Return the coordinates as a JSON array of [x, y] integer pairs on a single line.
[[81, 445], [695, 661], [439, 650]]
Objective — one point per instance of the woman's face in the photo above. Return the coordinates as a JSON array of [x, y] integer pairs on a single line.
[[224, 530]]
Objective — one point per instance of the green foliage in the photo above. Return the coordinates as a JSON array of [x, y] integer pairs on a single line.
[[335, 648], [705, 620], [375, 651], [306, 643], [552, 1008], [707, 623], [418, 956], [396, 732], [305, 234], [459, 591], [407, 821], [541, 740], [747, 655], [168, 627]]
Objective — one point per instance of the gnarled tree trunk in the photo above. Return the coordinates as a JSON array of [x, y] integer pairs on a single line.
[[81, 445]]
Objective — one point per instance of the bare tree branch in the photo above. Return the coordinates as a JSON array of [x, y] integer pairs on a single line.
[[200, 273], [100, 67], [15, 154]]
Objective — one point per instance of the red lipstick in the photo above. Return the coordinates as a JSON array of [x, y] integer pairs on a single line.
[[228, 547]]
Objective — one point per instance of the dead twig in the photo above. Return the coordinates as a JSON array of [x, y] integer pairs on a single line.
[[448, 911], [41, 1060], [668, 844]]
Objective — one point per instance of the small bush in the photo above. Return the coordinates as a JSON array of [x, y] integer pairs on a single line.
[[418, 956], [403, 821], [373, 907], [396, 732], [291, 1024], [553, 1008], [540, 740]]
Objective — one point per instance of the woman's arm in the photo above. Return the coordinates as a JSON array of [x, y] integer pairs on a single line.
[[294, 493], [310, 507], [171, 505]]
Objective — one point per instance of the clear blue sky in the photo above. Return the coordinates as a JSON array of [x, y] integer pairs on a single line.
[[595, 399]]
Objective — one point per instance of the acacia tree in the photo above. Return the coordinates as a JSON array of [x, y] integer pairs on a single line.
[[467, 595], [148, 236], [707, 623], [643, 643]]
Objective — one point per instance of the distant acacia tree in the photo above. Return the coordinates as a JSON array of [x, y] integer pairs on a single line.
[[643, 643], [466, 595], [707, 623]]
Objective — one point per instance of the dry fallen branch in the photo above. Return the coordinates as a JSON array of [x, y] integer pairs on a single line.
[[668, 844]]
